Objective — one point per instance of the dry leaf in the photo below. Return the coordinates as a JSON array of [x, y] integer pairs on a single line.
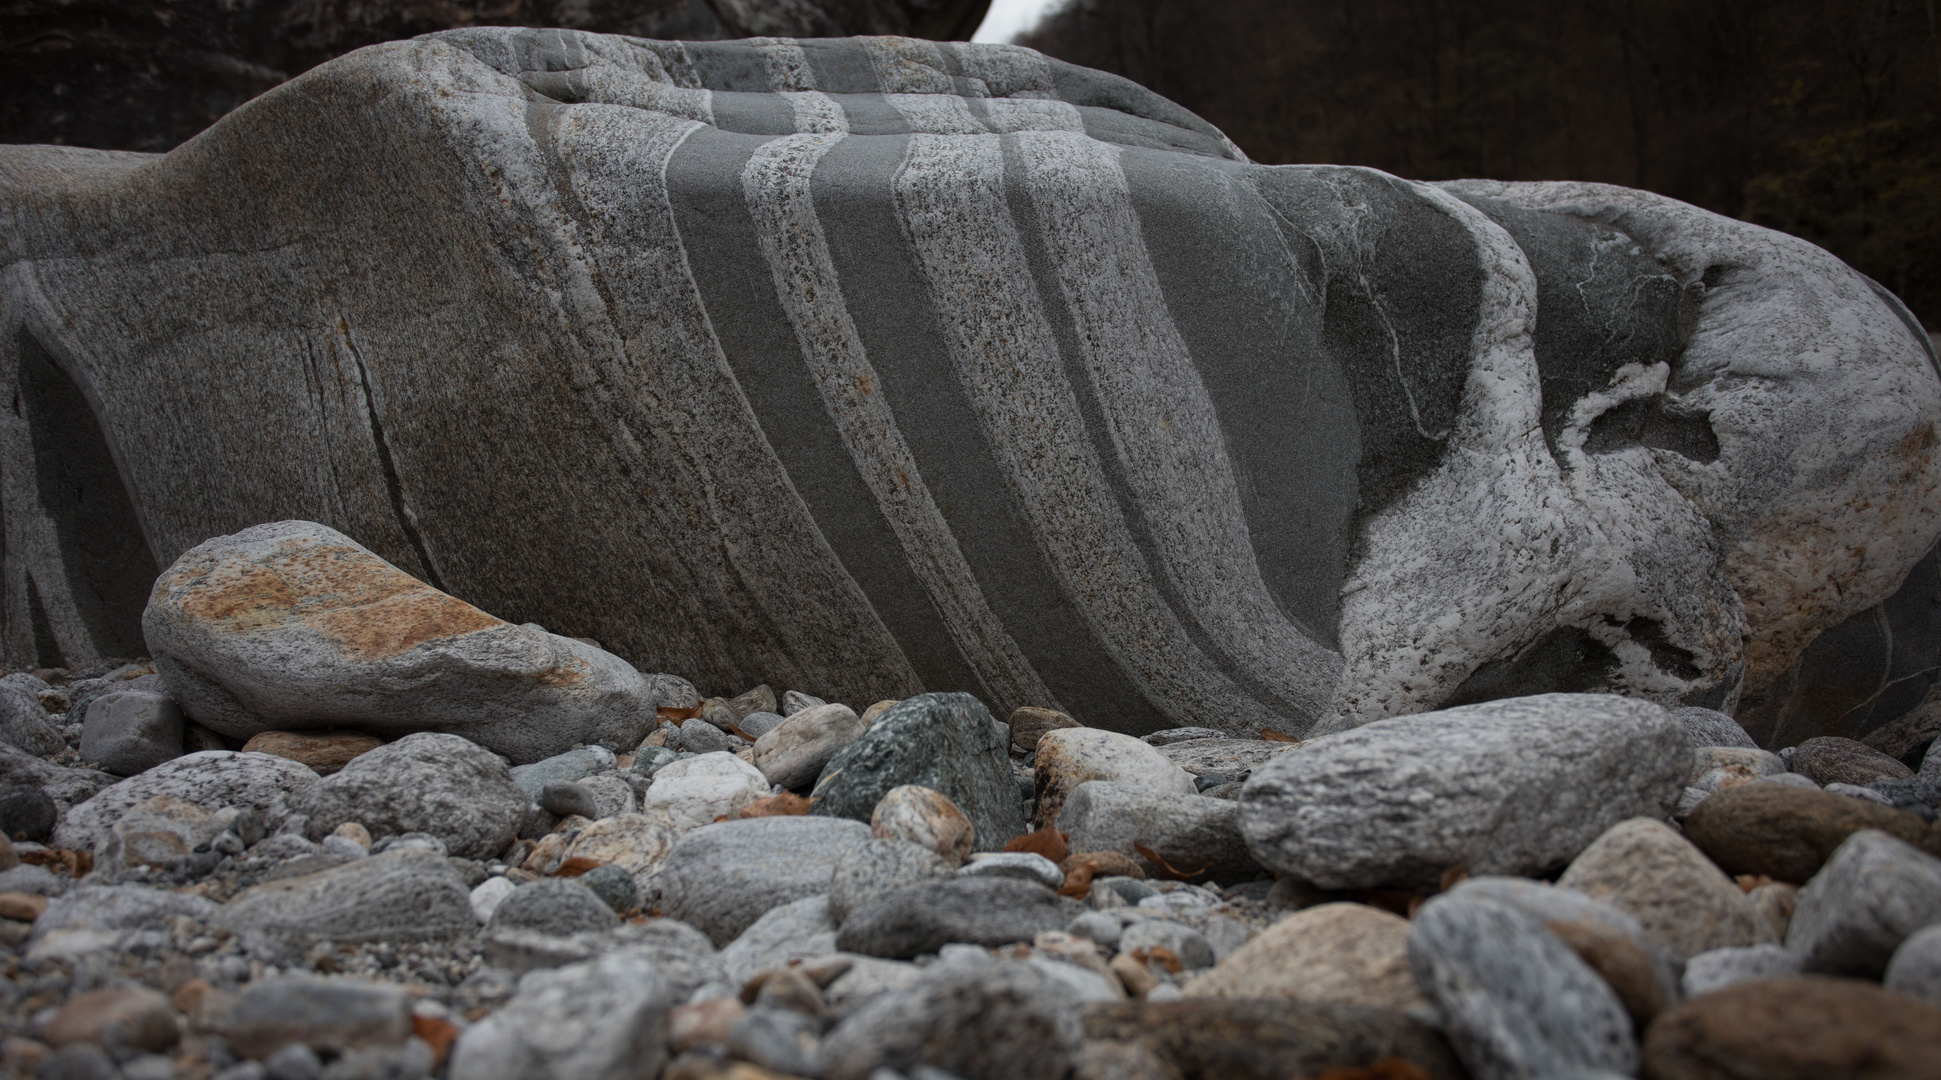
[[1161, 955], [1392, 1068], [1274, 736], [1047, 841], [438, 1033], [669, 712], [1452, 877], [784, 805], [1078, 883], [575, 866], [1167, 871]]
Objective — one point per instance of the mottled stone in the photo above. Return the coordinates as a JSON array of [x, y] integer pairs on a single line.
[[62, 786], [1915, 969], [796, 930], [795, 701], [635, 843], [124, 1018], [794, 752], [696, 791], [397, 896], [1029, 723], [1787, 833], [614, 886], [324, 751], [1224, 756], [559, 906], [1516, 1001], [601, 1019], [131, 731], [212, 779], [1268, 1039], [1069, 757], [873, 870], [574, 764], [285, 624], [926, 818], [156, 833], [979, 1019], [90, 918], [1833, 760], [1188, 946], [1720, 968], [947, 742], [1683, 900], [24, 723], [1802, 1028], [1192, 834], [329, 1015], [982, 911], [1334, 952], [442, 785], [721, 878], [1870, 896], [1516, 786], [1709, 727], [1022, 865]]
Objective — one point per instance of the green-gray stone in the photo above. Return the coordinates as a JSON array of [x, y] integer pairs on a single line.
[[945, 742]]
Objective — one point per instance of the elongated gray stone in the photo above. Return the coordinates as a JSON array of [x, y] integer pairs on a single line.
[[999, 402], [721, 878], [132, 730], [432, 783], [397, 896], [945, 742], [1191, 833], [871, 871], [982, 911], [1516, 1002], [1508, 787]]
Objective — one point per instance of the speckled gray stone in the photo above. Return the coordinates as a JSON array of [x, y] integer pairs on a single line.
[[1189, 945], [1549, 903], [1517, 786], [946, 742], [211, 779], [398, 896], [560, 768], [24, 724], [976, 1018], [721, 878], [800, 928], [601, 1019], [558, 906], [982, 911], [870, 871], [1872, 894], [1515, 1001], [794, 752], [1193, 833], [1710, 727], [429, 782], [1916, 966], [131, 730], [1720, 968]]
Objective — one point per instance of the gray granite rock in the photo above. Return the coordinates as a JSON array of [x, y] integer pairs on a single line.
[[1187, 944], [871, 871], [652, 759], [615, 887], [1549, 904], [212, 779], [721, 878], [697, 736], [91, 918], [684, 957], [1169, 736], [131, 730], [1872, 894], [1710, 727], [975, 1018], [24, 723], [334, 1016], [1683, 900], [1915, 968], [563, 798], [794, 752], [64, 786], [780, 1040], [982, 911], [1227, 757], [795, 701], [867, 979], [435, 783], [1069, 757], [559, 906], [947, 742], [802, 928], [27, 812], [1720, 968], [574, 764], [601, 1019], [338, 632], [757, 724], [1515, 1001], [1022, 865], [399, 896], [1192, 833], [1515, 786]]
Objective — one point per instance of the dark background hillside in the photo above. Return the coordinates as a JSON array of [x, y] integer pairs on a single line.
[[1818, 117]]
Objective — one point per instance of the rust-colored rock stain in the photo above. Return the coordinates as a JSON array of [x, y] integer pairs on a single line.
[[363, 605]]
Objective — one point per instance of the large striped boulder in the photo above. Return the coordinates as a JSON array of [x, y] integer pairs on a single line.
[[876, 365]]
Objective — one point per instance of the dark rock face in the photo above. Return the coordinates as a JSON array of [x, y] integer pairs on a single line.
[[944, 742], [951, 367], [146, 76]]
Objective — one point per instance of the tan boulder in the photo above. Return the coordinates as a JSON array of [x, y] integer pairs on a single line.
[[324, 751], [1335, 952]]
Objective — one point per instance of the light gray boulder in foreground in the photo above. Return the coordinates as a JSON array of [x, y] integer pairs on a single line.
[[973, 370], [1517, 786], [429, 782], [294, 625], [1516, 1002], [212, 779]]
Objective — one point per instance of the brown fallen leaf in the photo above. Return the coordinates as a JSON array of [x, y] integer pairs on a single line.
[[61, 861], [669, 712], [1274, 736], [1160, 955], [1104, 864], [437, 1032], [1391, 1068], [1167, 871], [1078, 882], [786, 804], [575, 866], [1452, 877], [1047, 841]]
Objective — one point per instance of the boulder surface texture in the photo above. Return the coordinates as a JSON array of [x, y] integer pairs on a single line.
[[880, 364]]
